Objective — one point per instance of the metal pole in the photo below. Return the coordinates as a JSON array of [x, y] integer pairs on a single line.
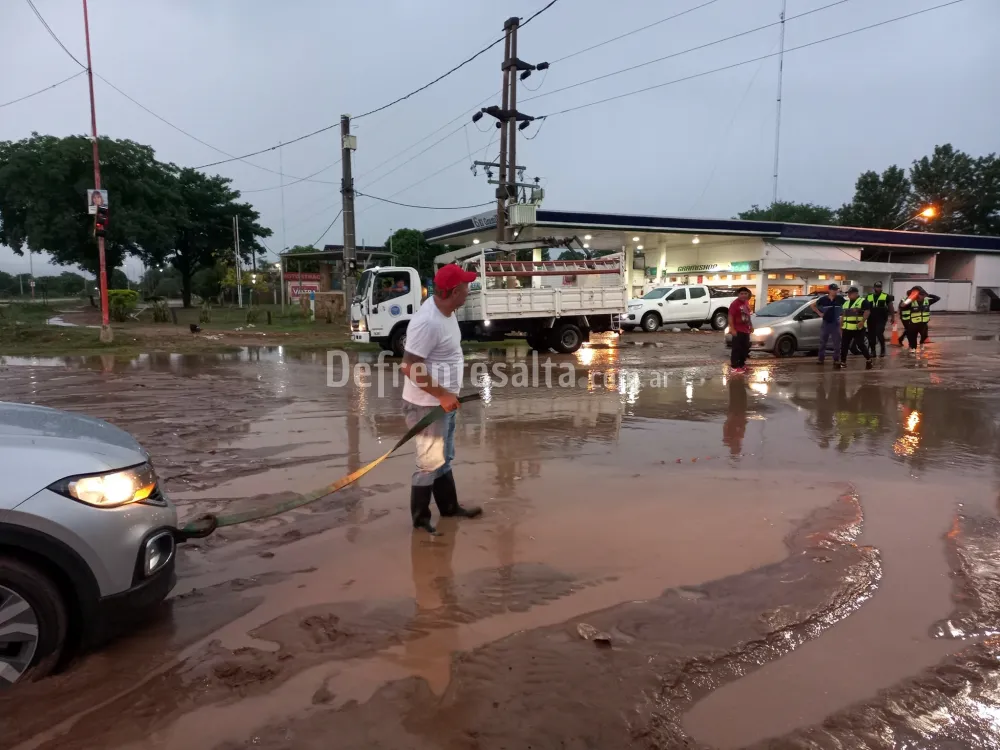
[[236, 254], [281, 275], [281, 176], [502, 182], [106, 334], [777, 126], [512, 123], [31, 271]]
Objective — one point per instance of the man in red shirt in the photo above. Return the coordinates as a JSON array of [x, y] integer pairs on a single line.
[[741, 328]]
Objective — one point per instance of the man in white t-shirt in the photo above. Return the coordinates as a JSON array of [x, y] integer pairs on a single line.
[[433, 365]]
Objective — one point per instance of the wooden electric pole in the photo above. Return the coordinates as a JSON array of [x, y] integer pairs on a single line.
[[348, 144]]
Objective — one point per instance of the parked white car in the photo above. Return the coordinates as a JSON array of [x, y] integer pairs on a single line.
[[692, 304]]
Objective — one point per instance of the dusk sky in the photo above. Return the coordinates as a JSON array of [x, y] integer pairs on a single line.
[[243, 76]]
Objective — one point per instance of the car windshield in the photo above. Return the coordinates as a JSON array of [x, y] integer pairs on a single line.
[[657, 293], [780, 308]]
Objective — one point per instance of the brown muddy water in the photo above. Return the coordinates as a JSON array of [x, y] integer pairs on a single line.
[[798, 558]]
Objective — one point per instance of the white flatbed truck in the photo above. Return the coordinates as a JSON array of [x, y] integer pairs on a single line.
[[555, 304]]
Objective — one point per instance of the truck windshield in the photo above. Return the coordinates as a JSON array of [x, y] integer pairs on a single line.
[[657, 293], [363, 283]]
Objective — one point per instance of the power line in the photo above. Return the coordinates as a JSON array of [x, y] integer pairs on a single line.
[[419, 153], [53, 34], [307, 178], [42, 91], [634, 31], [429, 208], [329, 227], [384, 106], [686, 51], [751, 60]]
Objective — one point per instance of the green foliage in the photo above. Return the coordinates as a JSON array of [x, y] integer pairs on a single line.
[[168, 286], [161, 312], [965, 190], [529, 254], [205, 315], [207, 283], [411, 249], [303, 266], [43, 198], [253, 313], [121, 302], [880, 201], [791, 212]]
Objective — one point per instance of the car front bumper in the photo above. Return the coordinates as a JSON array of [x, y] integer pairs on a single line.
[[361, 337]]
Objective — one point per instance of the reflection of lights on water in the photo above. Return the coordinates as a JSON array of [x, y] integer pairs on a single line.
[[906, 445], [760, 388], [585, 355], [912, 421], [762, 376], [485, 385], [629, 385], [689, 391]]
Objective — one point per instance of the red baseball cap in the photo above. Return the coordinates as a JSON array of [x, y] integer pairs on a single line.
[[450, 276]]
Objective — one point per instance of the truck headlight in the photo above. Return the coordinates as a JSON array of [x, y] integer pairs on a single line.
[[111, 489]]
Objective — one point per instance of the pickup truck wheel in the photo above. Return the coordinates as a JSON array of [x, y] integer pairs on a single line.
[[566, 338], [33, 623], [720, 319], [539, 342], [651, 322], [695, 326], [786, 346], [628, 329], [397, 343]]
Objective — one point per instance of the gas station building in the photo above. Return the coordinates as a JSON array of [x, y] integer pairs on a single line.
[[773, 259]]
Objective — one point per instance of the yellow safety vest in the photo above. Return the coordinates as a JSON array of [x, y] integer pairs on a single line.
[[880, 300], [853, 315], [920, 313]]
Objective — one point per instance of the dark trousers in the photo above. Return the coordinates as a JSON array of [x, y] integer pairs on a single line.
[[741, 349], [907, 332], [916, 333], [876, 332], [849, 339]]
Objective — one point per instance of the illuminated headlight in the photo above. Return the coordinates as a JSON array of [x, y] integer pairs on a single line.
[[362, 326], [110, 490], [762, 332], [486, 323]]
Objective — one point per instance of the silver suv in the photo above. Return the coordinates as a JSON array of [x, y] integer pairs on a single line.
[[87, 537]]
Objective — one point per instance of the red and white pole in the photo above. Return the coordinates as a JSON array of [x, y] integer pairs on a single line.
[[103, 276]]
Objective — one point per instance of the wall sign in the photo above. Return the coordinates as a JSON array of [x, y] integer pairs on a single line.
[[738, 266]]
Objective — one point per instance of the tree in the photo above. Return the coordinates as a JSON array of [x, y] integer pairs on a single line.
[[43, 199], [529, 254], [305, 266], [964, 190], [117, 279], [880, 201], [791, 212], [571, 254], [207, 283], [203, 232], [411, 249]]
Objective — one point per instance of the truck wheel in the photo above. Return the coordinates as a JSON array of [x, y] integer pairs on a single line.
[[33, 623], [628, 329], [786, 346], [539, 342], [397, 342], [566, 338], [651, 322], [720, 319], [384, 345], [695, 326]]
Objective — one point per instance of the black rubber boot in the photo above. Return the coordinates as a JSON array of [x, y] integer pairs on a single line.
[[446, 497], [420, 508]]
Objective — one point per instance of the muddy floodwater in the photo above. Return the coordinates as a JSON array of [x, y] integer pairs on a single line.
[[796, 558]]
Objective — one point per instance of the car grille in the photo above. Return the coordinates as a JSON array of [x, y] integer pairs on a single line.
[[156, 498]]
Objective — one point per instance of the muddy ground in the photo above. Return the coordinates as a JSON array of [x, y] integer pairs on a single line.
[[798, 558]]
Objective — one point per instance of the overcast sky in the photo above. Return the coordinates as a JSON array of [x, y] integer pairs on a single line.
[[245, 75]]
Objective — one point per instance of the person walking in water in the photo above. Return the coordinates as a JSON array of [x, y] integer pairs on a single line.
[[881, 313], [854, 315], [916, 308], [828, 307], [741, 326], [433, 365]]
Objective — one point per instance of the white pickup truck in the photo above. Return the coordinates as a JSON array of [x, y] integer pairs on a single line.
[[693, 304], [554, 304]]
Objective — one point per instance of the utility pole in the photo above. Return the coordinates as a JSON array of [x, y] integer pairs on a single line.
[[507, 118], [777, 125], [348, 143], [281, 174], [106, 334], [236, 253]]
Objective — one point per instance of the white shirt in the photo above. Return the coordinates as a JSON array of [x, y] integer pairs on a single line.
[[436, 339]]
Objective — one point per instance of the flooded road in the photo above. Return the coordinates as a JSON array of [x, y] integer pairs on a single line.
[[796, 558]]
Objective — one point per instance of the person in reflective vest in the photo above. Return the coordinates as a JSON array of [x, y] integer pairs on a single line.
[[915, 312], [854, 316], [881, 313]]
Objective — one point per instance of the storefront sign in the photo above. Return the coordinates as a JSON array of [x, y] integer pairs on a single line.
[[295, 276], [298, 289], [484, 220], [738, 266]]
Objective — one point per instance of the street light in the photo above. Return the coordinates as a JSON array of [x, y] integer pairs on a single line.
[[928, 213]]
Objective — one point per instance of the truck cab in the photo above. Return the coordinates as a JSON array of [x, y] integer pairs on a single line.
[[385, 300]]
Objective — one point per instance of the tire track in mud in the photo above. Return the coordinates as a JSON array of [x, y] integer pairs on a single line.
[[549, 688]]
